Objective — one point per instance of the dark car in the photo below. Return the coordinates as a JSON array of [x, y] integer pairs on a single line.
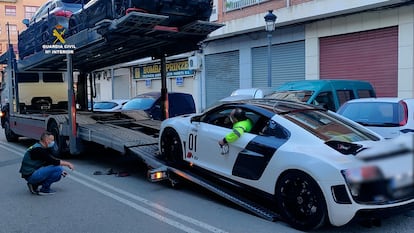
[[180, 12], [179, 104], [49, 23]]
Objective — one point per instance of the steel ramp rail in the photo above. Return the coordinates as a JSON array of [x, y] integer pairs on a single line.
[[237, 199], [149, 153], [114, 136]]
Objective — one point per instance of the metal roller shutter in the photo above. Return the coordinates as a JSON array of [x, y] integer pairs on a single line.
[[369, 55], [121, 84], [222, 75], [288, 64]]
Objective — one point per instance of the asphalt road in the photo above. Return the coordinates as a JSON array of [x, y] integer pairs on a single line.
[[85, 202]]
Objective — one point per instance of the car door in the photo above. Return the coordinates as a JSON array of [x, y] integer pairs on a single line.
[[203, 142]]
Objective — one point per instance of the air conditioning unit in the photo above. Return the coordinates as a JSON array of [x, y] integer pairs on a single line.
[[194, 63]]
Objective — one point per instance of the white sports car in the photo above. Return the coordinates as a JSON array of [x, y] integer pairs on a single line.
[[315, 165]]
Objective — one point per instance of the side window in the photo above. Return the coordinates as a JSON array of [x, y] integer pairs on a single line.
[[273, 129], [345, 95], [28, 77], [53, 78], [219, 118], [181, 104], [325, 100], [365, 93]]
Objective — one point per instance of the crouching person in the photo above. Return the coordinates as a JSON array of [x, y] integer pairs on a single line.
[[40, 168]]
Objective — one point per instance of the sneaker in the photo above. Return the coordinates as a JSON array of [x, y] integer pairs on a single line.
[[32, 188], [46, 192]]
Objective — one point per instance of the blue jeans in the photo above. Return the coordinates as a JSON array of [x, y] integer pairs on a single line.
[[45, 176]]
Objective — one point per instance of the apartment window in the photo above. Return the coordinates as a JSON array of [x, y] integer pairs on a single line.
[[10, 10], [29, 11], [1, 48], [13, 29]]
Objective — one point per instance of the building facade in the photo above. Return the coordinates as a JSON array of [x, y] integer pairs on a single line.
[[12, 12], [370, 40]]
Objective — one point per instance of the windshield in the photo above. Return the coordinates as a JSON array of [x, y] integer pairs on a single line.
[[139, 104], [299, 96], [328, 126]]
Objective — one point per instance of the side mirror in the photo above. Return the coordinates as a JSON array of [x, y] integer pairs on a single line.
[[26, 22], [195, 119]]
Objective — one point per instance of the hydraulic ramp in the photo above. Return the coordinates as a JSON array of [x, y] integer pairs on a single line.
[[145, 147]]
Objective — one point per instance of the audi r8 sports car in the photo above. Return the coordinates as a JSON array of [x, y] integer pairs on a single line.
[[316, 166]]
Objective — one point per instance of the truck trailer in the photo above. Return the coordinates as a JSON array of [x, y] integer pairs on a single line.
[[31, 100]]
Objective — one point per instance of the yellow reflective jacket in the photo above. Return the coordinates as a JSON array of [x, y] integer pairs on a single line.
[[238, 129]]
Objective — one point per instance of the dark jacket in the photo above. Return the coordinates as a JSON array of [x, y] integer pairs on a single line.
[[36, 157]]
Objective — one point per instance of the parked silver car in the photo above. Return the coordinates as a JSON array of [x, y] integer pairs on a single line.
[[109, 105], [389, 117]]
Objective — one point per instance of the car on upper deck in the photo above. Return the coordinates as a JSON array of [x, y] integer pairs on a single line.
[[312, 165], [179, 12], [49, 22]]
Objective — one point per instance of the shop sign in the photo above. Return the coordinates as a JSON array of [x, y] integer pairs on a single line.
[[174, 69]]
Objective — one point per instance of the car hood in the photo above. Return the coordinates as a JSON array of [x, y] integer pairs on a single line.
[[136, 114]]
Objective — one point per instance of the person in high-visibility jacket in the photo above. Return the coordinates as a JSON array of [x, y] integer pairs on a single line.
[[241, 124]]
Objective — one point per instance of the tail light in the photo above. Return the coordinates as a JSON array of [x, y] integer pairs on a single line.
[[404, 114], [63, 13]]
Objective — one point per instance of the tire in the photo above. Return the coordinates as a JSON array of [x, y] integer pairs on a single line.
[[300, 201], [60, 149], [171, 148], [10, 135]]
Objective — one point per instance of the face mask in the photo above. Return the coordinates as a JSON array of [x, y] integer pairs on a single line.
[[51, 144]]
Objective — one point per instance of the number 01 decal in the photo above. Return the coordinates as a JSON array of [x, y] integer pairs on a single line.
[[192, 142]]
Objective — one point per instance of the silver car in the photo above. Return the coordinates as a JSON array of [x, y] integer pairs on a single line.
[[389, 117]]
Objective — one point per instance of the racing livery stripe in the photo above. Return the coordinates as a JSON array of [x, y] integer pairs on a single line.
[[252, 161]]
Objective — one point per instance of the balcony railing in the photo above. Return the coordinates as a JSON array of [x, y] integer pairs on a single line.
[[239, 4]]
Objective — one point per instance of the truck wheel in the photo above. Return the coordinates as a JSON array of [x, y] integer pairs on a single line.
[[59, 149], [171, 148], [10, 135], [300, 201]]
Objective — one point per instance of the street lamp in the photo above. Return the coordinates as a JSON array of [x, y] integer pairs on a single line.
[[270, 20]]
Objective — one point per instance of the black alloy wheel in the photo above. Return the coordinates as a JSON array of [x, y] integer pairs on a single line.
[[300, 201], [171, 148]]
